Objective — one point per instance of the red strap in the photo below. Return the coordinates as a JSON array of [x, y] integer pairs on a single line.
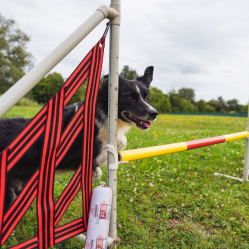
[[56, 144]]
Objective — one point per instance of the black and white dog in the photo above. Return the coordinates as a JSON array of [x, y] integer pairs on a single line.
[[133, 110]]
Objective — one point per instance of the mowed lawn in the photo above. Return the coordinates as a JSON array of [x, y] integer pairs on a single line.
[[172, 201]]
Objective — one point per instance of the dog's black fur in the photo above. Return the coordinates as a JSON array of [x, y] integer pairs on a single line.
[[133, 110]]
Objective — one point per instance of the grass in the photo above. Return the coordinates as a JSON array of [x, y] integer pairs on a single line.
[[172, 201]]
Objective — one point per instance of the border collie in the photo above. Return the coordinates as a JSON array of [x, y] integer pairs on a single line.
[[133, 110]]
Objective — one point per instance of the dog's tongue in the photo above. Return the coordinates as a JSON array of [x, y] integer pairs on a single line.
[[147, 124]]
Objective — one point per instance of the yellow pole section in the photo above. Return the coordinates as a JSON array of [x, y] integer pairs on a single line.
[[131, 155], [235, 136]]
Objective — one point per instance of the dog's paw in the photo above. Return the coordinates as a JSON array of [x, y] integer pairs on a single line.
[[96, 175], [122, 143]]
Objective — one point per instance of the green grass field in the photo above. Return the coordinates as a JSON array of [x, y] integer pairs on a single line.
[[172, 201]]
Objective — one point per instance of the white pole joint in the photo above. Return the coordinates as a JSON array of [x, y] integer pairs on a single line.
[[109, 12], [116, 20]]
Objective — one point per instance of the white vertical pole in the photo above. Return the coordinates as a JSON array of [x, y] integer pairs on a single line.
[[113, 113], [246, 163]]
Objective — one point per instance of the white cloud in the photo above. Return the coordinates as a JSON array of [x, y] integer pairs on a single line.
[[202, 44]]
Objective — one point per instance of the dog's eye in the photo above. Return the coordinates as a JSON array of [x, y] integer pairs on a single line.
[[133, 96]]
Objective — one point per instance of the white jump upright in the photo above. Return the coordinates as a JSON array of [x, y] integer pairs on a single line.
[[246, 162], [112, 163]]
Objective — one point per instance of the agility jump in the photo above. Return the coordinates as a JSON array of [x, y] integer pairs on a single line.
[[36, 74]]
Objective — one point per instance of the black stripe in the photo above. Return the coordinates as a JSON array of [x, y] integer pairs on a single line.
[[64, 231], [66, 198], [27, 246], [81, 72], [63, 142], [18, 214], [28, 140]]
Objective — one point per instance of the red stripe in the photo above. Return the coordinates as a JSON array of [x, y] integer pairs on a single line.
[[85, 127], [27, 129], [70, 95], [26, 243], [73, 87], [20, 196], [63, 208], [75, 222], [64, 141], [205, 142], [60, 205], [58, 160], [20, 207], [71, 123], [21, 153], [77, 69], [26, 138], [2, 190], [15, 222], [70, 235], [41, 187]]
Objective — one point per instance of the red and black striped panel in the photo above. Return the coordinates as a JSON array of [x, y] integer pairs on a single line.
[[45, 200], [49, 122]]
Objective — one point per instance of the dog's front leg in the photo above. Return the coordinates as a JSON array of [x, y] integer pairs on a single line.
[[96, 175]]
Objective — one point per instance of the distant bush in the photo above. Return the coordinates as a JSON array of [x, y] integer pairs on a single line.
[[27, 102]]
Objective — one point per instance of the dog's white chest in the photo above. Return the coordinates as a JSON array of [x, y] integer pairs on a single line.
[[103, 137]]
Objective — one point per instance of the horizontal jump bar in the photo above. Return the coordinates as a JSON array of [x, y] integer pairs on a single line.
[[131, 155]]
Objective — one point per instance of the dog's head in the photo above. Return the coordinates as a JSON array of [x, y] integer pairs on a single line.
[[133, 101], [133, 107]]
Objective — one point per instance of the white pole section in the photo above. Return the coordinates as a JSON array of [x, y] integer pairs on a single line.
[[28, 81], [113, 113], [246, 163], [247, 128]]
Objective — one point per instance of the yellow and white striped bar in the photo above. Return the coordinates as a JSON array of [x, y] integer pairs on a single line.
[[136, 154]]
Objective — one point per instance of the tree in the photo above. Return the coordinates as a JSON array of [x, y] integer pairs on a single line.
[[233, 105], [159, 100], [186, 105], [14, 59], [128, 73], [187, 93], [214, 104], [221, 105], [175, 101], [244, 109], [201, 105], [50, 85]]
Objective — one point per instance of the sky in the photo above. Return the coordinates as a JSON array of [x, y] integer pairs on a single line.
[[198, 44]]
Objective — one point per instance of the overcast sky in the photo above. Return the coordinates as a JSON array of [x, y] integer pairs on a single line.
[[199, 44]]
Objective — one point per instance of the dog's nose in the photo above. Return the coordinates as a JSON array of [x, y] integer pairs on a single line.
[[153, 114]]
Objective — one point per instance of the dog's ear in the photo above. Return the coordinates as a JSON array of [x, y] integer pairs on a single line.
[[147, 77], [105, 77]]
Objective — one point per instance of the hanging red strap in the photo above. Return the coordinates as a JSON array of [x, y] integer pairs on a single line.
[[56, 144]]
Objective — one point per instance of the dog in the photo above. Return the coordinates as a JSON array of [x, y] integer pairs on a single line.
[[133, 110]]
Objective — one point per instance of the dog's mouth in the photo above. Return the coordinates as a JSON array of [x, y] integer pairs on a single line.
[[141, 124]]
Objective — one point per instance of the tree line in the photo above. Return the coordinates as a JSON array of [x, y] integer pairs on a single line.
[[183, 100], [15, 61]]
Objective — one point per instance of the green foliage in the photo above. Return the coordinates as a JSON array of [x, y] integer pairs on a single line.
[[171, 201], [14, 59], [244, 109], [50, 85], [128, 73], [187, 93], [159, 100], [186, 105]]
